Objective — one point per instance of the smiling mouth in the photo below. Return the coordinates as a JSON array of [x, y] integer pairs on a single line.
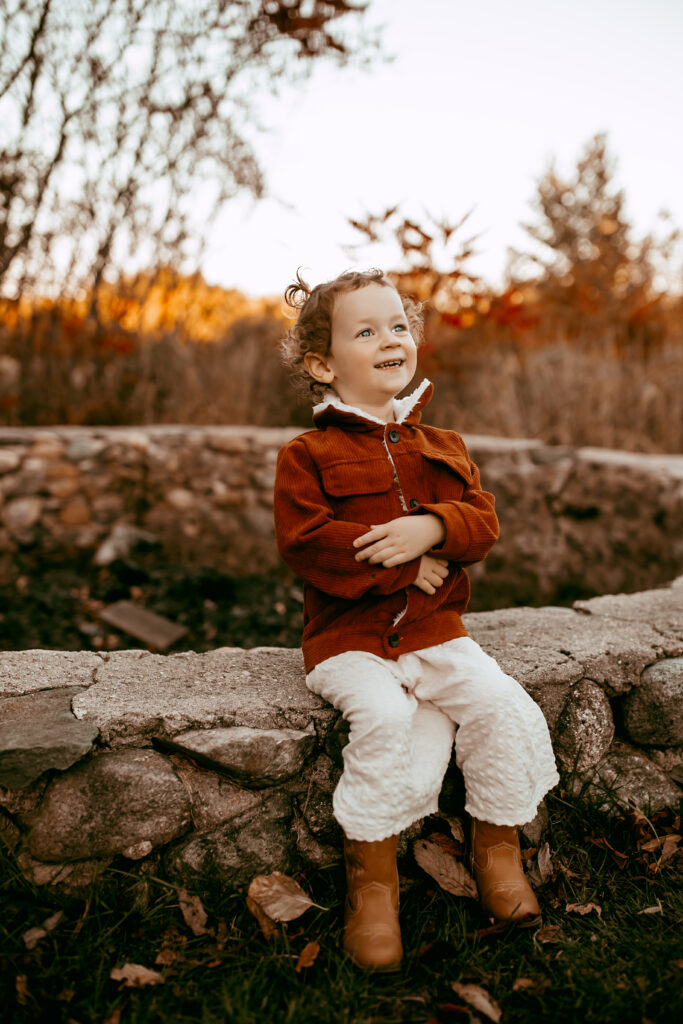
[[390, 364]]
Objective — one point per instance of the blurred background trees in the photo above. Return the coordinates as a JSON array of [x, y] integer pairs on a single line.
[[124, 124]]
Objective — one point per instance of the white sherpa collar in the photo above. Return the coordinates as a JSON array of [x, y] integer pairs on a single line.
[[402, 406]]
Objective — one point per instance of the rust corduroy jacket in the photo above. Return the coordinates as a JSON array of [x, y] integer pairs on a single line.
[[333, 483]]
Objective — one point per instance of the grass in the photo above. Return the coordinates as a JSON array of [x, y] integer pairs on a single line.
[[623, 966]]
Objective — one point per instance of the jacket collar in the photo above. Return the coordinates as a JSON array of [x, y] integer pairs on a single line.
[[332, 410]]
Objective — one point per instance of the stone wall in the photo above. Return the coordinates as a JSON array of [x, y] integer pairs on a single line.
[[223, 764], [574, 521]]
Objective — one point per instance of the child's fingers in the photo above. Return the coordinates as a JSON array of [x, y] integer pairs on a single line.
[[375, 533]]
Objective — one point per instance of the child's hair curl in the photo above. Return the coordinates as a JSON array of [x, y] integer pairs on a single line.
[[312, 330]]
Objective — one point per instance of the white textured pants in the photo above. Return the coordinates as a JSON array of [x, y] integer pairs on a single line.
[[402, 716]]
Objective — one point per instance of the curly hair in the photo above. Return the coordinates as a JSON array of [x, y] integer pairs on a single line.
[[312, 330]]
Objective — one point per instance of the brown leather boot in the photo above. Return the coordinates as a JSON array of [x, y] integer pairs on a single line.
[[496, 863], [372, 935]]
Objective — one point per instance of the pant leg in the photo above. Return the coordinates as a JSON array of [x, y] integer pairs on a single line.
[[397, 752], [502, 744]]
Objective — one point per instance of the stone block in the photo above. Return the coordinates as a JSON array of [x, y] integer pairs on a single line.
[[620, 779], [38, 732], [653, 710], [255, 757], [21, 514], [585, 728], [24, 671], [108, 804], [255, 843]]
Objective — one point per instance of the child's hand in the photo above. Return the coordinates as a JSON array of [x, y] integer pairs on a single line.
[[431, 574], [400, 540]]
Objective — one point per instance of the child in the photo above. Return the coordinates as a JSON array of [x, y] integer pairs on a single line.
[[379, 514]]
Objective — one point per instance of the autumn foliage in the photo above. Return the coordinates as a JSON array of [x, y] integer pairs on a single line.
[[583, 344]]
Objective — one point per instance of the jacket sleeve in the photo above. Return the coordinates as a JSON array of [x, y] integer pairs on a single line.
[[471, 523], [318, 547]]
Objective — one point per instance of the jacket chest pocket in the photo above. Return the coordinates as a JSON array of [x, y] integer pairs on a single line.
[[446, 477], [358, 491]]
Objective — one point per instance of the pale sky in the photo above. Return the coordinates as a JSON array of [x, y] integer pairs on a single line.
[[481, 96]]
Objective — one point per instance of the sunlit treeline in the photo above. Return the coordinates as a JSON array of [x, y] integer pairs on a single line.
[[163, 348]]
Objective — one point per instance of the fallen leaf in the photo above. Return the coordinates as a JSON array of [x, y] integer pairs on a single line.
[[33, 936], [280, 897], [658, 909], [193, 912], [307, 955], [479, 998], [165, 957], [114, 1017], [551, 933], [677, 963], [265, 923], [531, 984], [21, 989], [221, 934], [450, 873], [583, 908], [136, 976], [50, 923], [542, 870], [620, 859]]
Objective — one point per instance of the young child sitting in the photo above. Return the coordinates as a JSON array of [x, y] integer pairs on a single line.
[[380, 514]]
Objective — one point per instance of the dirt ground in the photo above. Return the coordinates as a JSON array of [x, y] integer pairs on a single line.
[[56, 605]]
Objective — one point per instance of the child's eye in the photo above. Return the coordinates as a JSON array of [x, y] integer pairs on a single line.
[[365, 333], [401, 327]]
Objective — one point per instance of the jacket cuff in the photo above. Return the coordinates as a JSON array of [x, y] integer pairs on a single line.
[[457, 540]]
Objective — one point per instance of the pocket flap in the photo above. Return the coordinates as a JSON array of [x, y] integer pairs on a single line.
[[346, 478], [455, 463]]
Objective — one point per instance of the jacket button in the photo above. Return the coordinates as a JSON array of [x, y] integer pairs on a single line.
[[394, 436], [393, 640], [413, 502]]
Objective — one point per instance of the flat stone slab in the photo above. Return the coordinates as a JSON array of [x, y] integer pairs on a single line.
[[23, 671], [163, 695], [663, 607], [38, 731], [546, 647], [256, 757]]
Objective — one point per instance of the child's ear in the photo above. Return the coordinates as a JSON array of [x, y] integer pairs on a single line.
[[317, 367]]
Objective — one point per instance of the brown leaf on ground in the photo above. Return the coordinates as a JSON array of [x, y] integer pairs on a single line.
[[551, 933], [542, 870], [620, 859], [115, 1016], [531, 984], [450, 873], [33, 936], [280, 896], [583, 908], [307, 955], [265, 923], [193, 912], [222, 933], [479, 998], [21, 987], [446, 843], [657, 909], [165, 957], [136, 976]]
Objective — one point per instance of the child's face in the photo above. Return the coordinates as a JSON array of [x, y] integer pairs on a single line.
[[369, 328]]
